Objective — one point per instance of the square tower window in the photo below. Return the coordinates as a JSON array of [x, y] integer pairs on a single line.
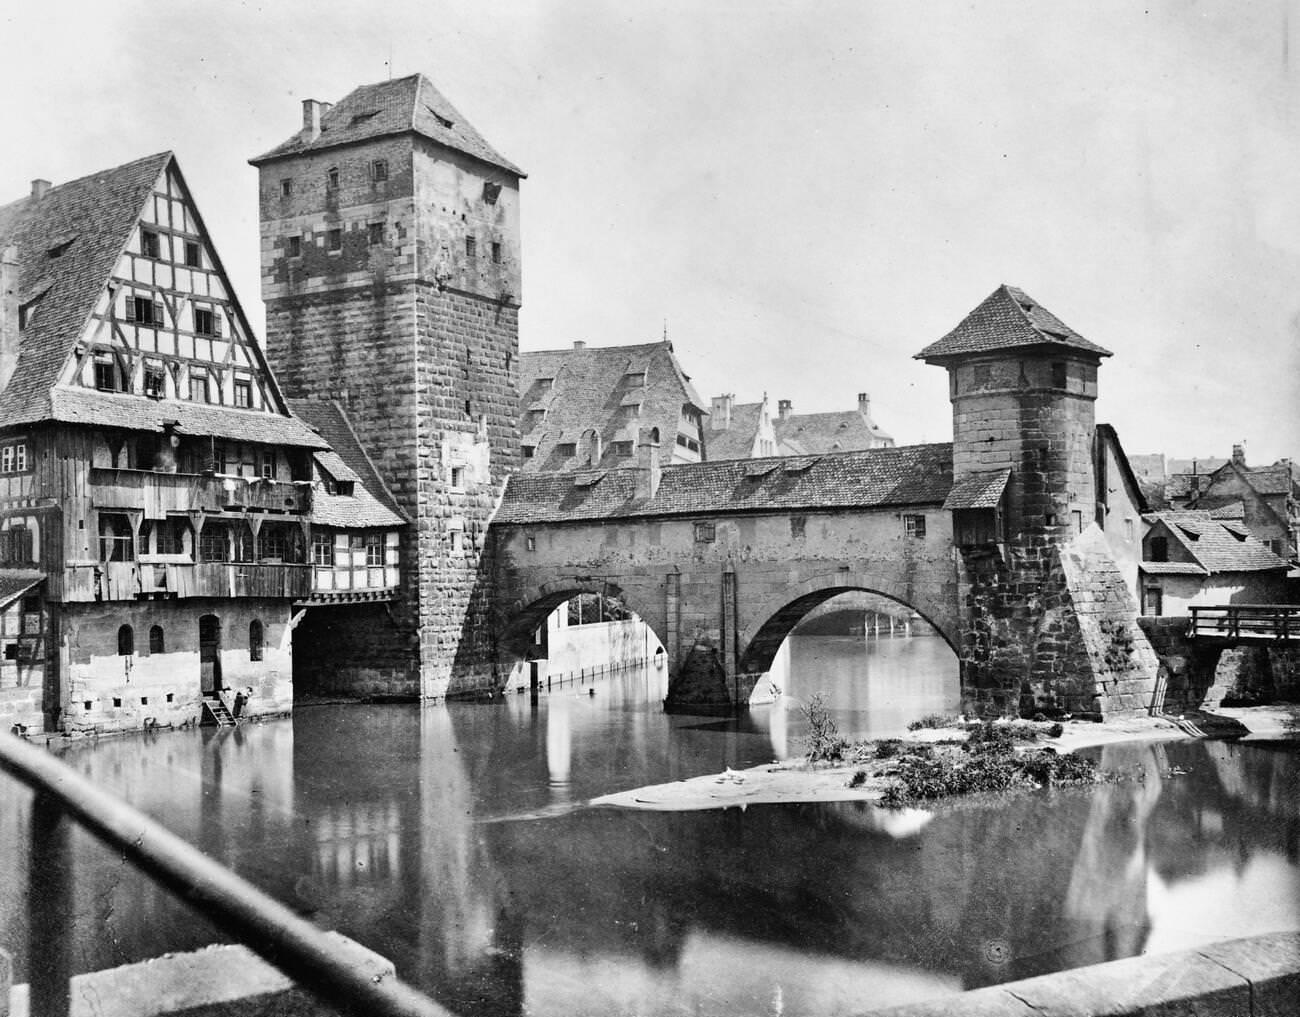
[[295, 247], [286, 187], [376, 233], [1058, 374], [333, 240], [379, 170], [471, 247], [496, 252], [332, 179]]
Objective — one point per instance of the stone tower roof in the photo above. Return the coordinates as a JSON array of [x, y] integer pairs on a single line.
[[1008, 319], [404, 105]]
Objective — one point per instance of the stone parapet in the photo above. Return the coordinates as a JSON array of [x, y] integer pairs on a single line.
[[1255, 977]]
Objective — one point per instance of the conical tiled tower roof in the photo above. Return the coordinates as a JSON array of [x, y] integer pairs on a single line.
[[1009, 318]]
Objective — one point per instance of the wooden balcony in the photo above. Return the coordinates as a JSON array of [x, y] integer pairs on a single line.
[[157, 494], [131, 580]]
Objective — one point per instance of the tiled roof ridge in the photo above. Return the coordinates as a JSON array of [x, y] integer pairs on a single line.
[[599, 349], [161, 157]]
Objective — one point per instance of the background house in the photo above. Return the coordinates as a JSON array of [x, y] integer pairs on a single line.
[[747, 430], [1190, 559]]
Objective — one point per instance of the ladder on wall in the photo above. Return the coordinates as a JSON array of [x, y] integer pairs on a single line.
[[215, 712]]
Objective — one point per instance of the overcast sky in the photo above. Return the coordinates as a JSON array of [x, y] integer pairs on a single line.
[[807, 193]]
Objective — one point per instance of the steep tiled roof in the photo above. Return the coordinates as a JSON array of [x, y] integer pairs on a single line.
[[912, 475], [1280, 478], [838, 431], [588, 387], [117, 409], [978, 490], [409, 104], [371, 503], [737, 441], [1172, 568], [96, 214], [16, 582], [1008, 318], [1216, 546], [332, 463]]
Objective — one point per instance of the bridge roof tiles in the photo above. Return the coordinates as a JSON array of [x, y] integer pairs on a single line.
[[911, 475], [1008, 318]]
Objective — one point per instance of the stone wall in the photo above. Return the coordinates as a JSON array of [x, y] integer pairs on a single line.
[[353, 650], [108, 691], [1053, 629]]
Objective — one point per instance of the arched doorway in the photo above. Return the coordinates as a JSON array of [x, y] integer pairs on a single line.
[[210, 654]]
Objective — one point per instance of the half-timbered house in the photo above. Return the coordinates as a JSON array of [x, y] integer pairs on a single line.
[[155, 489]]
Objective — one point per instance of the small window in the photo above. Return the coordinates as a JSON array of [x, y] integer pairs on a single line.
[[332, 179], [13, 458], [125, 647], [207, 321], [255, 640], [286, 187], [243, 393], [1077, 516], [529, 451], [914, 526], [193, 257], [1159, 549], [213, 545], [374, 549], [530, 542], [171, 697], [295, 247], [798, 526], [471, 247], [567, 450], [105, 373], [155, 381], [455, 538], [144, 310], [1128, 529], [1058, 374], [376, 233], [491, 191], [621, 448], [458, 478], [198, 386], [334, 240], [322, 549], [379, 170], [269, 469], [149, 245], [169, 537], [157, 644], [705, 533], [496, 252]]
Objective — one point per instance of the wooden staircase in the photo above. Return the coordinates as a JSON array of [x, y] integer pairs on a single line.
[[215, 712]]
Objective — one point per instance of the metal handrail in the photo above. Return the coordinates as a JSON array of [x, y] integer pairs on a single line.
[[300, 950]]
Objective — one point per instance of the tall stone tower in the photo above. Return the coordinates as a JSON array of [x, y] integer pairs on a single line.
[[1048, 621], [391, 275]]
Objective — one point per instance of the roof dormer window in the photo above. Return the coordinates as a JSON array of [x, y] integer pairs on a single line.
[[361, 118]]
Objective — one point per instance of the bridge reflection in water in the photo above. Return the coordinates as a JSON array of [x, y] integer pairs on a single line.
[[453, 841]]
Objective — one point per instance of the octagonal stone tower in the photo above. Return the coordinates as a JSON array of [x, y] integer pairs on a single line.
[[1048, 622], [391, 275]]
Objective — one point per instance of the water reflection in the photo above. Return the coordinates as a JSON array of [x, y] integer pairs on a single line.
[[454, 841]]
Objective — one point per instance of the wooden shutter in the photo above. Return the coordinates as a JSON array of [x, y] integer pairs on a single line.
[[130, 307], [216, 322], [157, 312]]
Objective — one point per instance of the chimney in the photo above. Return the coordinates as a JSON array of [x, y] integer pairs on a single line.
[[579, 344], [864, 404], [312, 111], [647, 464], [9, 332], [720, 414], [39, 188], [784, 408], [1239, 455]]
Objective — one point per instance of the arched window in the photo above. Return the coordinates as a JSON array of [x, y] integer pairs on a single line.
[[255, 640], [125, 641], [156, 642]]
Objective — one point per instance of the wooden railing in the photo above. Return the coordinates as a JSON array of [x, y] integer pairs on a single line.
[[160, 493], [127, 580], [1246, 623]]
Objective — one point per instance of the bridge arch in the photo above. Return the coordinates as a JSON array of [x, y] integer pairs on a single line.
[[768, 625], [535, 604]]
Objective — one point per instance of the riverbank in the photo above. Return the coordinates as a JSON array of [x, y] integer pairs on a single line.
[[794, 780]]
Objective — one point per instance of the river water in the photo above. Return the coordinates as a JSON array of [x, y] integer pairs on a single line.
[[455, 841]]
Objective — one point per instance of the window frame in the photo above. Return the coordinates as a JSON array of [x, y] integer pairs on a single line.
[[379, 170], [322, 550], [150, 243], [196, 249], [334, 240], [242, 394], [914, 525]]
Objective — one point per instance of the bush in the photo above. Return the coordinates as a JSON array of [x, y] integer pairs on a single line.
[[889, 748], [993, 769], [825, 743], [932, 720], [858, 779]]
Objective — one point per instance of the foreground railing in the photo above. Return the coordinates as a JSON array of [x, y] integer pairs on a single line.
[[296, 947], [1245, 623]]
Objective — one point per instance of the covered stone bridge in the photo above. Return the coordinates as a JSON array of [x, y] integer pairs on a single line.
[[722, 559]]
